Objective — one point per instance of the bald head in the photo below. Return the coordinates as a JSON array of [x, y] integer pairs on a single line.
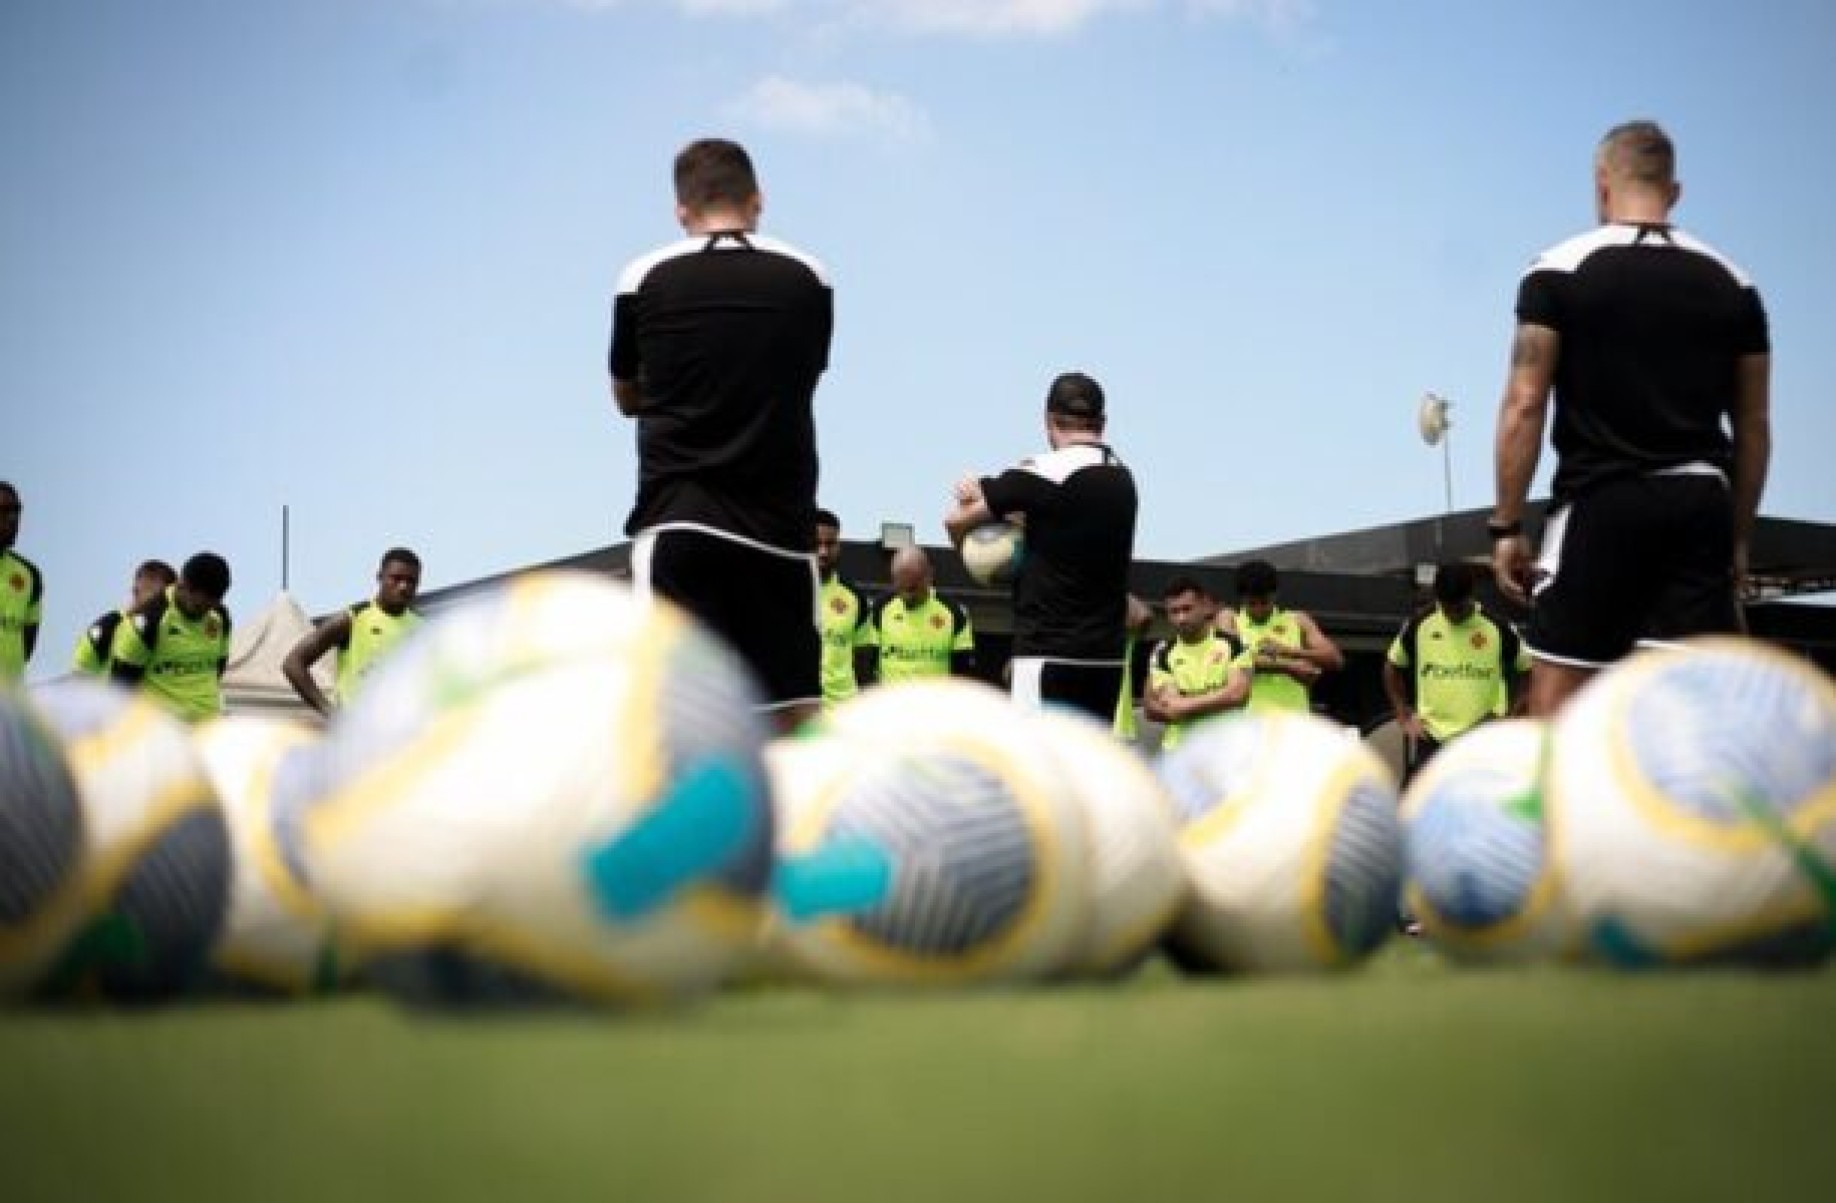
[[911, 575], [1635, 173]]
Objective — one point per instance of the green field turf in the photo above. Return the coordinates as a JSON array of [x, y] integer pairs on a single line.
[[1407, 1081]]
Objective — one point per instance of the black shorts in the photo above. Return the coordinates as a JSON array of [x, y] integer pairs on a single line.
[[1092, 686], [1643, 558], [760, 599]]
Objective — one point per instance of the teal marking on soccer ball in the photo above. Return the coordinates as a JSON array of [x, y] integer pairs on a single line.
[[706, 819], [842, 877], [1808, 859], [1616, 944]]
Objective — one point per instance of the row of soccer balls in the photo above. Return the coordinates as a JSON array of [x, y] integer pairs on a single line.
[[556, 790]]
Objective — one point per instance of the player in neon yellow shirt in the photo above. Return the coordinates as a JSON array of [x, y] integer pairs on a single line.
[[1463, 667], [94, 645], [363, 633], [22, 592], [1285, 649], [847, 626], [1197, 674], [176, 646], [918, 632]]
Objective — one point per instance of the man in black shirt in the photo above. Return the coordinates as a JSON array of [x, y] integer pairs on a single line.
[[1656, 348], [718, 341], [1078, 505]]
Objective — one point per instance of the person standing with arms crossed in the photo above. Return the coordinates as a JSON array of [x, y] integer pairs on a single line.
[[1079, 503], [1285, 650], [1649, 340], [22, 592], [718, 341], [1197, 674], [363, 633]]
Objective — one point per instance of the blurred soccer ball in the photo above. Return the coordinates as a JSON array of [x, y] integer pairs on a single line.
[[1137, 880], [276, 936], [1479, 875], [992, 552], [1291, 844], [159, 857], [930, 838], [42, 849], [555, 789], [1696, 815]]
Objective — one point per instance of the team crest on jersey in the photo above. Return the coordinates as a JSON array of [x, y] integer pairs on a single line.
[[211, 628], [838, 604], [937, 622], [17, 581], [1478, 641]]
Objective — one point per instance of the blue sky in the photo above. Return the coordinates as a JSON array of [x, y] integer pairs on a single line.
[[356, 256]]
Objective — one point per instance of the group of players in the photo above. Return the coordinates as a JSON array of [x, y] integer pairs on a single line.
[[1653, 348]]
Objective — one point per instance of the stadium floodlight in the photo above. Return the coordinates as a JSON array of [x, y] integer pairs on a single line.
[[1432, 423], [897, 536]]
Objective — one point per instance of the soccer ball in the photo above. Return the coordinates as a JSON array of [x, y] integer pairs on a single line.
[[1696, 815], [276, 936], [1137, 880], [1291, 843], [554, 791], [159, 855], [1479, 876], [992, 552], [930, 839], [42, 850]]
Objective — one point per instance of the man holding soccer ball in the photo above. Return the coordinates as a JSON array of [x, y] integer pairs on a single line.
[[1071, 591]]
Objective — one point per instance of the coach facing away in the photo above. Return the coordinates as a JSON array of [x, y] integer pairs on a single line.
[[1078, 504], [718, 341], [1650, 340]]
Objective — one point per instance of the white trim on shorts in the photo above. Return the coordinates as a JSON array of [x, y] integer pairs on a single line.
[[643, 549], [1026, 676]]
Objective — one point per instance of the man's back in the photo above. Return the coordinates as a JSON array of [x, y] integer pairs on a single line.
[[1653, 324], [1071, 596], [729, 334]]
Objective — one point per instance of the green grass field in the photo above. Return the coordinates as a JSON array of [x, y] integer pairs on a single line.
[[1406, 1081]]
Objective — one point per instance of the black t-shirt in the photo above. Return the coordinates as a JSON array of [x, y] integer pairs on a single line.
[[1653, 325], [727, 335], [1071, 594]]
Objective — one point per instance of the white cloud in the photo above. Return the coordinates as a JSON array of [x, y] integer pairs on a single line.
[[830, 110]]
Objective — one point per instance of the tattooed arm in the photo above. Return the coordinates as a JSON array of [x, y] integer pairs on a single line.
[[1522, 415]]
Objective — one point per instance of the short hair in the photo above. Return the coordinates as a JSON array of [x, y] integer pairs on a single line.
[[714, 171], [1453, 584], [827, 518], [158, 569], [399, 555], [6, 486], [208, 573], [1185, 583], [1640, 151], [1257, 578]]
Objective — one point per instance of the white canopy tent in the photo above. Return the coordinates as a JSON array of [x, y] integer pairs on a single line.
[[254, 683]]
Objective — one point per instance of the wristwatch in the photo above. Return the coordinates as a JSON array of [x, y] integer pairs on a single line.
[[1504, 530]]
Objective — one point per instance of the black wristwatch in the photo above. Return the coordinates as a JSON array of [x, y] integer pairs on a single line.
[[1504, 530]]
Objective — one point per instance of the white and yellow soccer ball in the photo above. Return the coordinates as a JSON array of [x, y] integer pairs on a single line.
[[992, 552], [157, 884], [1291, 842], [42, 847], [1479, 875], [276, 936], [555, 790], [929, 838], [1137, 880], [1696, 807]]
